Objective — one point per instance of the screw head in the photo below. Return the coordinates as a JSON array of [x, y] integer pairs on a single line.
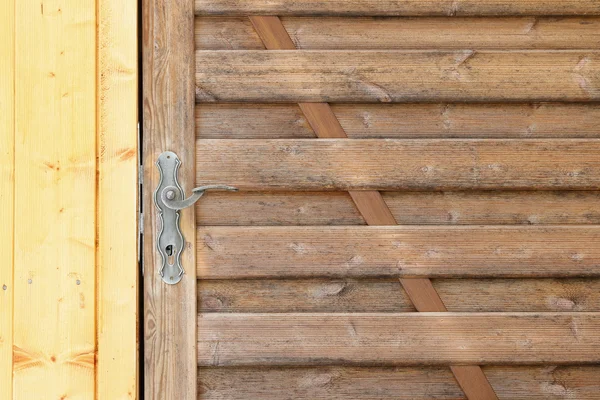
[[170, 195]]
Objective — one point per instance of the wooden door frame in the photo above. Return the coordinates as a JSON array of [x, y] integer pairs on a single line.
[[168, 124]]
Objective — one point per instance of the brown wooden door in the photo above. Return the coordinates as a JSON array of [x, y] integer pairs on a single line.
[[418, 208]]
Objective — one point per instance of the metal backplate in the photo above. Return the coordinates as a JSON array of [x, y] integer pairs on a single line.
[[170, 240]]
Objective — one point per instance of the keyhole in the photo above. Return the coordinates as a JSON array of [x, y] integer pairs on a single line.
[[170, 257]]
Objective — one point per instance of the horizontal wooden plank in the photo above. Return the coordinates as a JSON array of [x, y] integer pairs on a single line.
[[396, 76], [405, 121], [397, 8], [398, 339], [387, 295], [237, 33], [408, 208], [393, 383], [397, 251], [389, 164], [491, 208], [279, 208], [226, 33]]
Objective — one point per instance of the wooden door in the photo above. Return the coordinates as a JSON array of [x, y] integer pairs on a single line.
[[418, 208]]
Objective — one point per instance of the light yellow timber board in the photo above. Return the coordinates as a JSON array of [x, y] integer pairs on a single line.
[[55, 200], [117, 201], [7, 134]]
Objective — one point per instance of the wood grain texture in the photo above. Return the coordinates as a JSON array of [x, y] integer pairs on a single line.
[[322, 120], [372, 164], [495, 208], [473, 382], [55, 200], [7, 192], [319, 118], [345, 295], [424, 296], [408, 208], [396, 76], [117, 237], [236, 33], [397, 8], [253, 252], [271, 33], [278, 208], [387, 383], [403, 121], [375, 211], [397, 339], [168, 71], [373, 208]]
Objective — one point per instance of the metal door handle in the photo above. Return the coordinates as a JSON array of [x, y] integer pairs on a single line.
[[170, 195], [169, 198]]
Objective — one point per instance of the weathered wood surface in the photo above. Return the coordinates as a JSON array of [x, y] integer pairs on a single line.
[[237, 33], [408, 208], [253, 252], [403, 121], [307, 80], [398, 8], [386, 295], [55, 282], [168, 68], [398, 339], [396, 76], [366, 164], [117, 232], [7, 193], [387, 383]]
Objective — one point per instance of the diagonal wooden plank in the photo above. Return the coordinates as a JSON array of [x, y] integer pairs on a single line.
[[375, 211], [272, 33]]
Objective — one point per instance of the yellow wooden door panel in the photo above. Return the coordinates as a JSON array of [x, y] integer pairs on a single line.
[[7, 146], [68, 200], [117, 334]]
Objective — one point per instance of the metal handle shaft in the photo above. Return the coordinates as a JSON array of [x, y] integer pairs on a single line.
[[170, 195]]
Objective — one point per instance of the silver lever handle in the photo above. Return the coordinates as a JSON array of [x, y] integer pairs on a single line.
[[169, 199], [170, 195]]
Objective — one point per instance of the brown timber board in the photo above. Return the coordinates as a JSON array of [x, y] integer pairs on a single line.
[[459, 251], [396, 76], [168, 105], [386, 295], [388, 164], [397, 8], [404, 121], [393, 383], [237, 33], [408, 208], [398, 339]]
